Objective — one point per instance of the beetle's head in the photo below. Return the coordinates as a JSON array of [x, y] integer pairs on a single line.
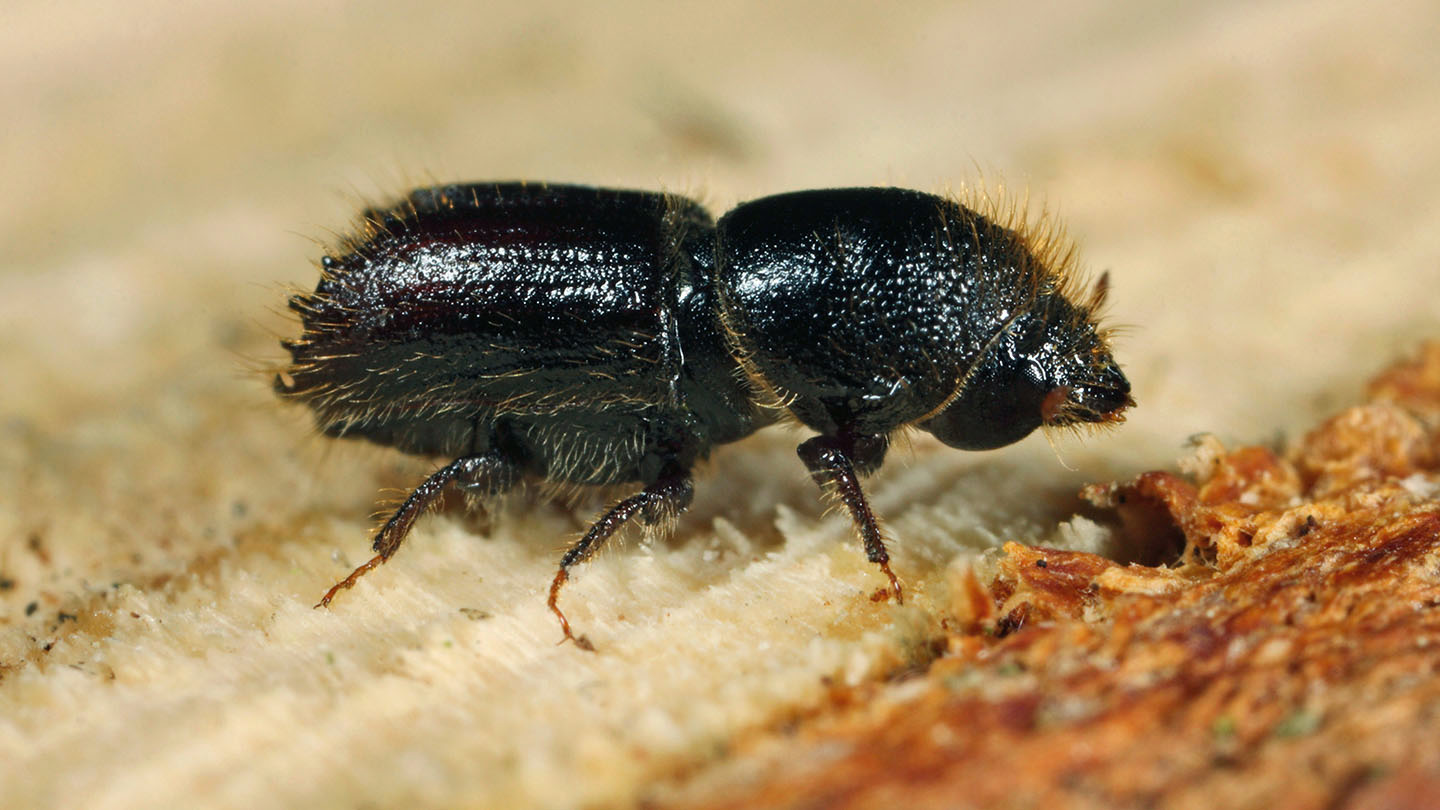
[[1050, 367]]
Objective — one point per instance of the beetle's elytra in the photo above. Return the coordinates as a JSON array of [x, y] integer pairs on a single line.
[[592, 336]]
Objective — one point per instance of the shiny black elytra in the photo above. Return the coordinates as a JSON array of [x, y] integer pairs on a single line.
[[590, 336]]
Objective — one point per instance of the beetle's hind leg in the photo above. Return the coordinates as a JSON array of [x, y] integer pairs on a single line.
[[658, 502], [488, 474], [833, 461]]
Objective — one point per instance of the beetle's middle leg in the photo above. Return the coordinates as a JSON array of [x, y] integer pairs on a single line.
[[670, 495], [490, 473], [836, 463]]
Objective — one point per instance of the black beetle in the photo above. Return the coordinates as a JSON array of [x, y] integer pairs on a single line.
[[592, 336]]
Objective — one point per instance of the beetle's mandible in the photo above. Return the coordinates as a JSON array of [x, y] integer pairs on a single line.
[[592, 336]]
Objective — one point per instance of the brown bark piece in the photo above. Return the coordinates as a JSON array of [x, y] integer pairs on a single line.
[[1292, 660]]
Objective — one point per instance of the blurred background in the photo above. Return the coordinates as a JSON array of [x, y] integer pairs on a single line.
[[1262, 181]]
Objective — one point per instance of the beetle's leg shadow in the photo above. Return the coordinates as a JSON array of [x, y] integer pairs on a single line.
[[836, 463], [488, 474], [659, 501]]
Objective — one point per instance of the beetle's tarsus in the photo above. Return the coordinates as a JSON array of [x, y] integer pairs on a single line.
[[349, 582]]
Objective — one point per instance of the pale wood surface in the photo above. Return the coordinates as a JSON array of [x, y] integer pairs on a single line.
[[1262, 181]]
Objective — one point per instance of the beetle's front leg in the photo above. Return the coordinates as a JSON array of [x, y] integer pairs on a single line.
[[833, 462]]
